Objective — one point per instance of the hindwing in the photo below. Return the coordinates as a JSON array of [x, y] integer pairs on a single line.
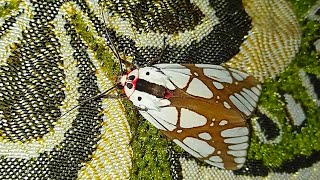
[[207, 111]]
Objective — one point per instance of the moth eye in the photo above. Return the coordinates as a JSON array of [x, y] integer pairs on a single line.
[[129, 85], [139, 98], [147, 73], [131, 77], [119, 86]]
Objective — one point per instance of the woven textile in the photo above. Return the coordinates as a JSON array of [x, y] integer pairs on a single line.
[[56, 54]]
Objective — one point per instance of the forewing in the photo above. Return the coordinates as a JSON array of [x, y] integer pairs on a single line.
[[234, 89], [203, 116]]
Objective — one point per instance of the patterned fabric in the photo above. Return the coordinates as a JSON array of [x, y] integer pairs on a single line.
[[55, 54]]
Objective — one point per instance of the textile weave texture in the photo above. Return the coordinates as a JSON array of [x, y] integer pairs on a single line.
[[56, 54]]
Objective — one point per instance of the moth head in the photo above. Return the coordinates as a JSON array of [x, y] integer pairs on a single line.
[[128, 82]]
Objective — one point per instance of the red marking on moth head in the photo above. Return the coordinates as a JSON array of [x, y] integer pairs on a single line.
[[168, 94], [129, 82]]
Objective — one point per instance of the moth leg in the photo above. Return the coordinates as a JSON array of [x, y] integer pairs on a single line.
[[141, 109]]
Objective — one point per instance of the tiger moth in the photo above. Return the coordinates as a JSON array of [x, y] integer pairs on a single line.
[[203, 108]]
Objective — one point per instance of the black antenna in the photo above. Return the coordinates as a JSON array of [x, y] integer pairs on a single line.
[[113, 48], [89, 99], [115, 51]]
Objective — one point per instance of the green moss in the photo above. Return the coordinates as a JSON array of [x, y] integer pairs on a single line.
[[150, 157], [8, 7], [301, 7]]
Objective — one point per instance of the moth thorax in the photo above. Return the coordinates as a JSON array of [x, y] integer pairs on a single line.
[[151, 88]]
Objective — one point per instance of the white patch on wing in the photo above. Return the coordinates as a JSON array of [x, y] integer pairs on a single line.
[[259, 87], [219, 75], [237, 140], [218, 85], [237, 76], [240, 153], [202, 147], [186, 148], [240, 160], [244, 101], [169, 85], [184, 71], [248, 98], [216, 159], [166, 117], [190, 119], [256, 91], [242, 146], [178, 79], [198, 88], [164, 102], [240, 166], [209, 66], [147, 101], [223, 122], [251, 94], [242, 74], [154, 75], [169, 66], [219, 165], [205, 136], [170, 114], [239, 105], [226, 105], [235, 132]]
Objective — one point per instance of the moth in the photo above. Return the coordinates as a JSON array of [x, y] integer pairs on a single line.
[[203, 108]]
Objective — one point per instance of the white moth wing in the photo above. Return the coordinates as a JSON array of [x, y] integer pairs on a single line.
[[154, 75], [144, 100], [178, 79]]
